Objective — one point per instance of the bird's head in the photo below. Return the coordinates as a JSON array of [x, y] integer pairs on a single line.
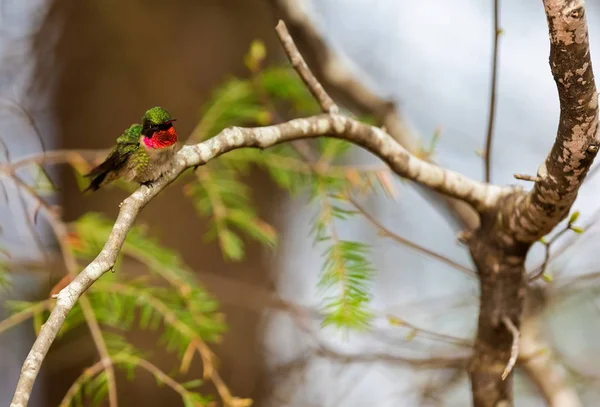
[[157, 128]]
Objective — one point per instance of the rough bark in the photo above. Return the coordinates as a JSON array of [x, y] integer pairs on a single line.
[[500, 263], [576, 144], [499, 247]]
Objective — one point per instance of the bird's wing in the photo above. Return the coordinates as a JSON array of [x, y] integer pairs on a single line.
[[131, 135], [127, 144]]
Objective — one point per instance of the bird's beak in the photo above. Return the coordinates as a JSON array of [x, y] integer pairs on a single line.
[[172, 120]]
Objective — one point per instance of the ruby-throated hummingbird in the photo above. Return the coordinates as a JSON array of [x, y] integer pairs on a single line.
[[142, 154]]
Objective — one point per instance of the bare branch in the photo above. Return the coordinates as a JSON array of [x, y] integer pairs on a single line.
[[30, 223], [328, 105], [493, 86], [93, 370], [566, 244], [408, 243], [414, 330], [325, 101], [24, 315], [55, 157], [539, 272], [547, 375], [514, 352], [301, 317], [424, 363], [576, 144], [76, 386], [22, 112], [337, 77], [479, 195]]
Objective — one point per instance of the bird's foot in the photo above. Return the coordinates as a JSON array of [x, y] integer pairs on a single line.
[[152, 182]]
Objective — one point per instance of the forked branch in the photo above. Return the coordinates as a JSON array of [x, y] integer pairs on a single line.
[[481, 196], [339, 78], [499, 248]]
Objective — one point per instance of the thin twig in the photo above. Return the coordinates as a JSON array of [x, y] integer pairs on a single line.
[[31, 227], [56, 157], [122, 358], [76, 386], [423, 363], [92, 322], [24, 113], [514, 350], [408, 243], [539, 271], [351, 89], [527, 177], [24, 315], [431, 334], [570, 241], [159, 374], [304, 71], [493, 86], [302, 320], [301, 147], [315, 87]]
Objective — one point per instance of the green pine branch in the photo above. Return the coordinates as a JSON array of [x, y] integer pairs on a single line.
[[346, 268], [220, 195]]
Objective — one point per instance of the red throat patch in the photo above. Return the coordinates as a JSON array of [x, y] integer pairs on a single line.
[[161, 139]]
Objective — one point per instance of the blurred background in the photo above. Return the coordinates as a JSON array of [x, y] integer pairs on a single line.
[[74, 74]]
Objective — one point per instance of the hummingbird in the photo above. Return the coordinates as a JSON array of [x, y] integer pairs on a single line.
[[143, 152]]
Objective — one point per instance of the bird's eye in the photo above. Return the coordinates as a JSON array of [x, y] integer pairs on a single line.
[[148, 130]]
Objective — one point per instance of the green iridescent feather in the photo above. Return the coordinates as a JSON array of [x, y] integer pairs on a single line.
[[131, 136], [128, 147], [156, 115]]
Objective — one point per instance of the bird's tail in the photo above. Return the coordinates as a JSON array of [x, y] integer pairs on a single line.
[[96, 181], [98, 176], [106, 171]]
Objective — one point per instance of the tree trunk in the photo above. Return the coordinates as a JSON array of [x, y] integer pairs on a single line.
[[500, 262]]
